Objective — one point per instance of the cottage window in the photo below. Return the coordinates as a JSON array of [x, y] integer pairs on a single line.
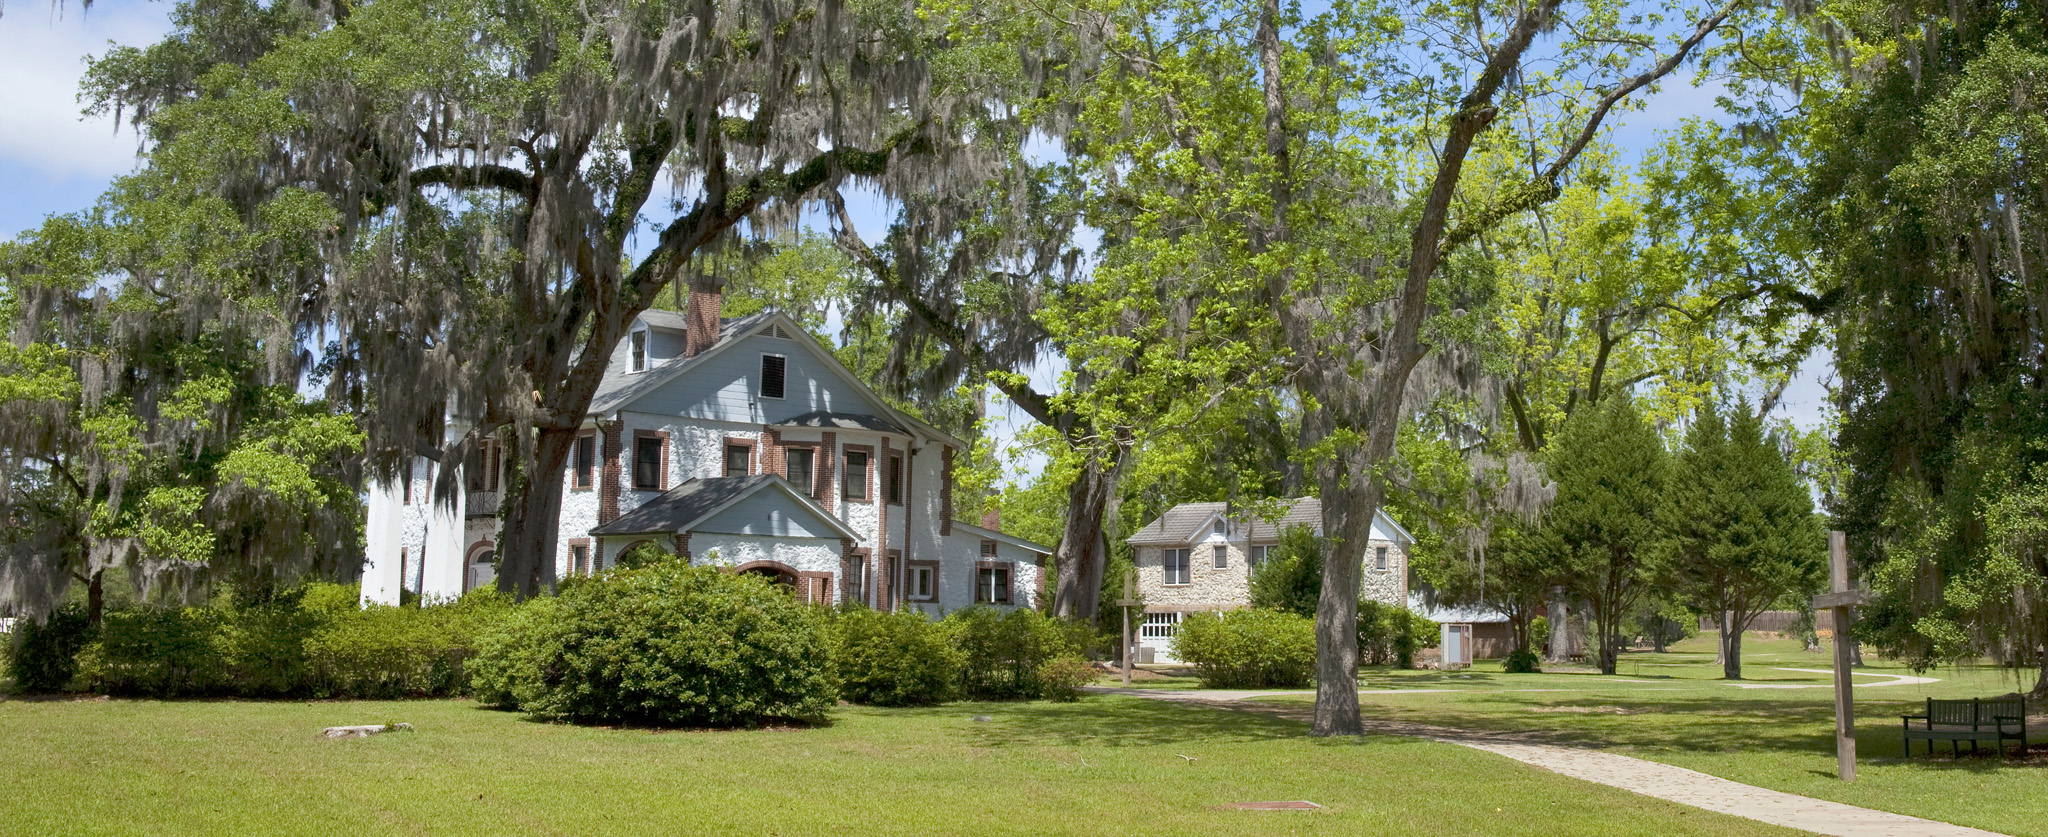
[[639, 351], [647, 463], [1257, 555], [893, 484], [773, 372], [921, 583], [736, 457], [992, 585], [1175, 568], [856, 576], [988, 549], [579, 559], [854, 483], [1379, 558], [586, 461], [1222, 557], [799, 470]]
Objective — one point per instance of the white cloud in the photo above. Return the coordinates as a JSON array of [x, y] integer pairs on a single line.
[[42, 58]]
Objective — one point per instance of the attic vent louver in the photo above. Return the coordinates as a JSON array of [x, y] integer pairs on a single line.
[[777, 331]]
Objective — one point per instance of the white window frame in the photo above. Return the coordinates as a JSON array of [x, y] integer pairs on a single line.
[[986, 594], [922, 579], [636, 351], [1379, 559], [1219, 557], [1219, 528], [761, 387], [1166, 565], [1160, 625], [1258, 553]]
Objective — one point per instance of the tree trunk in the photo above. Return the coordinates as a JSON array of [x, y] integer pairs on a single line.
[[1347, 524], [1721, 620], [2040, 690], [1083, 553], [96, 597], [526, 546], [1731, 650]]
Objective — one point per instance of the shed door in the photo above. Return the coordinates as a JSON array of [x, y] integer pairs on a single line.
[[1454, 645]]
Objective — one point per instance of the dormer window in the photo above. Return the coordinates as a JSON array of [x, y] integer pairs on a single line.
[[1219, 529], [639, 340]]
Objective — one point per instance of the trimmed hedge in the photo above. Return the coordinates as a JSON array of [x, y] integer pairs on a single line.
[[43, 656], [312, 641], [1011, 655], [667, 645], [1249, 649], [893, 659]]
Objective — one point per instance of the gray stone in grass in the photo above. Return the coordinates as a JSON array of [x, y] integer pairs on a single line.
[[982, 719], [363, 731]]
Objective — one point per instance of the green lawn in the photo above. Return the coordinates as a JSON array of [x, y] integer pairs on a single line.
[[1672, 708], [1104, 765]]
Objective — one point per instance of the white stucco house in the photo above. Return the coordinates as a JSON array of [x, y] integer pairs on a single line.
[[736, 442], [1200, 556]]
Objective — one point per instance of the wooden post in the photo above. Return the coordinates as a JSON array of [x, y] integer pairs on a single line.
[[1129, 601], [1840, 600]]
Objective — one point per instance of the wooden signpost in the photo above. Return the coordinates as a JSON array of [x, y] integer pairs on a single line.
[[1130, 600], [1839, 601]]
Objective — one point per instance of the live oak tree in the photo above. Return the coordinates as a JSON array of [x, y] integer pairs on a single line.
[[1300, 177], [513, 184], [1744, 535]]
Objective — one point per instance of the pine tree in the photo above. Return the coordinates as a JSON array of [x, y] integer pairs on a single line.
[[1611, 471], [1743, 530]]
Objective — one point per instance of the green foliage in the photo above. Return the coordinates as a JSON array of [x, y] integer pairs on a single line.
[[42, 657], [1291, 577], [390, 652], [667, 645], [1742, 524], [643, 554], [1522, 661], [1004, 653], [158, 652], [893, 659], [1248, 649], [1539, 631], [1600, 534], [1390, 636]]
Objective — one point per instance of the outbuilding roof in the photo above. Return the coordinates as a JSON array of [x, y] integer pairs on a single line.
[[1183, 524], [843, 421]]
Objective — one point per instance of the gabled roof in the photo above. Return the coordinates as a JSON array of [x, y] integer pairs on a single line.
[[1184, 523], [667, 320], [619, 389], [689, 505], [993, 535]]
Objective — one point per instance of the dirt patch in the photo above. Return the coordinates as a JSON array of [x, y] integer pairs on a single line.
[[1589, 710]]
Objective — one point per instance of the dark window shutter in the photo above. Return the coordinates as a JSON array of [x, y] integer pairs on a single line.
[[772, 374]]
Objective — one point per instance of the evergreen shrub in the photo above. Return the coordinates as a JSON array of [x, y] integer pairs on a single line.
[[667, 645], [1390, 635], [1249, 649], [1005, 654], [893, 659], [43, 657], [160, 652], [1522, 661], [382, 652]]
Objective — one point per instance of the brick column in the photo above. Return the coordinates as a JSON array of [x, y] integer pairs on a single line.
[[847, 551], [608, 488], [946, 491], [683, 546], [826, 481]]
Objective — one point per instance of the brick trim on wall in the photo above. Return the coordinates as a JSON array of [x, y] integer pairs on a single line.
[[569, 548], [1011, 566], [844, 450], [609, 472], [661, 475], [847, 551], [825, 488], [946, 491], [934, 566], [892, 573], [596, 463], [867, 573], [683, 546], [753, 447]]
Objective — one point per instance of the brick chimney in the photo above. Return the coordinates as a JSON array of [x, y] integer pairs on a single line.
[[707, 304], [992, 519]]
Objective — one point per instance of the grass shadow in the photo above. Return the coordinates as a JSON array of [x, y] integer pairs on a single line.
[[1114, 721]]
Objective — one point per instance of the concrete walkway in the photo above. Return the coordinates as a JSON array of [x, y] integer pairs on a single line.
[[1662, 781]]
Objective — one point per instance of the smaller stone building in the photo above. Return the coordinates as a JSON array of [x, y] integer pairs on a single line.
[[1200, 556]]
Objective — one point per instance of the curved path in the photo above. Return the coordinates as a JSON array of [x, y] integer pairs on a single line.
[[1662, 781]]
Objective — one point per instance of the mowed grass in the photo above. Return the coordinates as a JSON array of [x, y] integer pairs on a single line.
[[1103, 765], [1673, 708]]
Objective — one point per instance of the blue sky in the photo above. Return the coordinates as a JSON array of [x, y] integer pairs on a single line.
[[54, 160]]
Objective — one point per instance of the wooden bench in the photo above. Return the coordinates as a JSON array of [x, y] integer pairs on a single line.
[[1973, 720]]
